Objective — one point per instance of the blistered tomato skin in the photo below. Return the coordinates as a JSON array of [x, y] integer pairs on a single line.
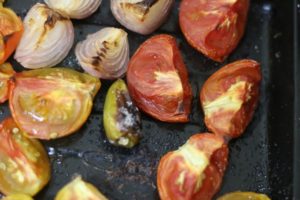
[[79, 190], [195, 170], [213, 27], [122, 120], [158, 80], [52, 103], [230, 96], [24, 163], [6, 73]]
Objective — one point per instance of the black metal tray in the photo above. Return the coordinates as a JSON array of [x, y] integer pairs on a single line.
[[263, 159]]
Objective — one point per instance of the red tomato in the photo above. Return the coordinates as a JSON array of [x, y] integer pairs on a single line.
[[52, 103], [213, 27], [195, 170], [6, 72], [11, 30], [158, 80], [24, 164], [229, 97]]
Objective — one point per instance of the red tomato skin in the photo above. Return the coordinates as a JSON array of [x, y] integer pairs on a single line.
[[234, 122], [172, 165], [213, 27], [160, 54]]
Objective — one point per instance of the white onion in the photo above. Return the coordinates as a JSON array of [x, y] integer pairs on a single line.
[[48, 37], [76, 9], [104, 54], [141, 16]]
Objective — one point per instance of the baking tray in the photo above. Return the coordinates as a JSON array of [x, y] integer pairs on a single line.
[[262, 160]]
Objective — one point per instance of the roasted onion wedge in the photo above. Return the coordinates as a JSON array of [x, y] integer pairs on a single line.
[[47, 39], [141, 16], [104, 54], [76, 9]]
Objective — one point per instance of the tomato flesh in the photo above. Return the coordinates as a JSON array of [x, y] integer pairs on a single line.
[[6, 73], [11, 31], [24, 164], [158, 80], [213, 27], [229, 97], [195, 170], [244, 196], [52, 103]]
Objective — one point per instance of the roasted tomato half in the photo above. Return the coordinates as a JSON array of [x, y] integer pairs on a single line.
[[195, 170], [17, 197], [52, 103], [79, 190], [244, 196], [11, 30], [229, 97], [158, 80], [6, 72], [24, 164], [213, 27], [121, 118]]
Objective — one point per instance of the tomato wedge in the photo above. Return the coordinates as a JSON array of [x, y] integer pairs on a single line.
[[79, 190], [52, 103], [244, 196], [229, 97], [213, 27], [158, 80], [195, 170], [24, 164], [11, 30], [17, 197], [6, 73]]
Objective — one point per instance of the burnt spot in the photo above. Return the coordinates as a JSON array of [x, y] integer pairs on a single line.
[[96, 60], [128, 115], [142, 7], [52, 18]]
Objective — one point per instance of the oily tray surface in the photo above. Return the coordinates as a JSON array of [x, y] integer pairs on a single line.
[[256, 162]]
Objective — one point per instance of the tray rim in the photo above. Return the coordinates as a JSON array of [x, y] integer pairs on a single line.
[[296, 181]]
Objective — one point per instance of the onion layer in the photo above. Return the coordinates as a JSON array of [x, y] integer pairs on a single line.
[[141, 16], [77, 9], [104, 54], [47, 39]]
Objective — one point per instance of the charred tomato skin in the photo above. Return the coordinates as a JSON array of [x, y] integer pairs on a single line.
[[195, 170], [24, 164], [158, 80], [51, 103], [213, 27], [230, 96], [121, 118]]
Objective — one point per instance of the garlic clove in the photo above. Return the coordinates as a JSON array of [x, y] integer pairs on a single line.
[[76, 9], [48, 37], [104, 54], [141, 16]]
